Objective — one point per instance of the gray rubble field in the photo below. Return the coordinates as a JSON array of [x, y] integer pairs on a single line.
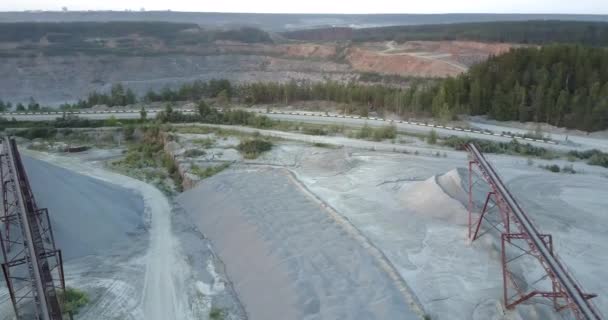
[[88, 216], [285, 254]]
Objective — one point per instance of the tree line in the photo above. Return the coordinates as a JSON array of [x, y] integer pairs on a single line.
[[32, 105], [536, 32], [117, 37], [563, 85], [172, 32]]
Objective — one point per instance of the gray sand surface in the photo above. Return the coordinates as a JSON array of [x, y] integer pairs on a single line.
[[287, 258], [88, 215]]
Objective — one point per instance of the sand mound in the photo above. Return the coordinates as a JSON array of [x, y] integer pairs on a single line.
[[329, 162], [438, 197], [454, 183]]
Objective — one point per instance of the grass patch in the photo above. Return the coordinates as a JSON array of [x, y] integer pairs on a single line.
[[147, 156], [314, 131], [193, 153], [324, 145], [376, 134], [513, 147], [594, 157], [432, 137], [205, 143], [34, 133], [72, 300], [568, 169], [553, 168], [253, 148], [217, 314], [207, 172], [220, 132]]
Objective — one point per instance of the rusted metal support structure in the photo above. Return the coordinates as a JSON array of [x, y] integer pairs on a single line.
[[32, 265], [521, 240]]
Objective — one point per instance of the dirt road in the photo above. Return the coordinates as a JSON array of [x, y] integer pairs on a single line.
[[163, 295]]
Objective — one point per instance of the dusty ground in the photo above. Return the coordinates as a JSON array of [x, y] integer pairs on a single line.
[[414, 212], [396, 224], [411, 208], [150, 266]]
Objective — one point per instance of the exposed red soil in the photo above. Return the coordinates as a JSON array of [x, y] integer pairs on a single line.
[[405, 65]]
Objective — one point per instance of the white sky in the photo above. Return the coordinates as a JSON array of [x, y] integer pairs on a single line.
[[323, 6]]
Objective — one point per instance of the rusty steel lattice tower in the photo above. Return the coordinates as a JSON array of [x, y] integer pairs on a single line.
[[521, 240], [32, 265]]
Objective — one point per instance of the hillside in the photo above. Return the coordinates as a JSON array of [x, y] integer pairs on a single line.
[[527, 32], [63, 62], [280, 22], [119, 38], [562, 85]]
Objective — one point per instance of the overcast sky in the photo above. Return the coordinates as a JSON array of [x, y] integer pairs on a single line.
[[323, 6]]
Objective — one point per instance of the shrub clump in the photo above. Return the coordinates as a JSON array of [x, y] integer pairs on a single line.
[[216, 314], [376, 134], [193, 153], [208, 171], [72, 300], [553, 168], [252, 148], [513, 147], [432, 137]]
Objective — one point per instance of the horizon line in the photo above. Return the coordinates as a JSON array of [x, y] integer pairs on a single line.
[[298, 13]]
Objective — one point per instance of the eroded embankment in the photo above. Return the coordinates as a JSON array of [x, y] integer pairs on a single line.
[[287, 257]]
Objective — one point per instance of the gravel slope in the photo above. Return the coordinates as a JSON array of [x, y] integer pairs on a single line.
[[88, 215], [286, 256]]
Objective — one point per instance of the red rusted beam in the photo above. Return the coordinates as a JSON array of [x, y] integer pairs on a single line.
[[530, 241]]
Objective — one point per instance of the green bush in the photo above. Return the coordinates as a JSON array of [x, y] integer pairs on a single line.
[[552, 168], [599, 159], [216, 314], [432, 138], [314, 131], [568, 169], [323, 145], [386, 132], [376, 134], [72, 300], [252, 148], [34, 133], [365, 133]]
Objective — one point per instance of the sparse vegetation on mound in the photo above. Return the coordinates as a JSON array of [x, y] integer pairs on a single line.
[[252, 148], [513, 147], [146, 160], [207, 172], [205, 143]]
